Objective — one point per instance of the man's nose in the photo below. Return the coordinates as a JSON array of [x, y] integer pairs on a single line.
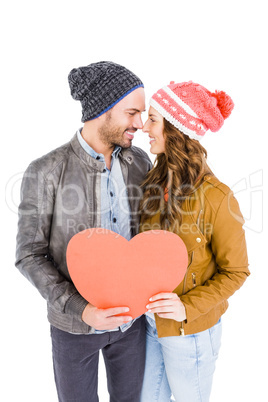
[[138, 122]]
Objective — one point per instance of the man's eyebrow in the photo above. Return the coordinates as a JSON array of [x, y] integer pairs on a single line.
[[134, 109]]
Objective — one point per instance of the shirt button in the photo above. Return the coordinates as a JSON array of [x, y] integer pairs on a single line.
[[198, 240], [114, 220], [111, 194]]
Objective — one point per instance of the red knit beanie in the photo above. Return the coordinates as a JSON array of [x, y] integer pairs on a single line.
[[192, 108]]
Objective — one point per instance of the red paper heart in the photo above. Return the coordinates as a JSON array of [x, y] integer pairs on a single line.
[[109, 271]]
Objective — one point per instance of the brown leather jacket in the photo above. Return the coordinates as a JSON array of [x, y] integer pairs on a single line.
[[217, 257]]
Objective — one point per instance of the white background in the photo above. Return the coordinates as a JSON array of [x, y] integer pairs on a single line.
[[219, 44]]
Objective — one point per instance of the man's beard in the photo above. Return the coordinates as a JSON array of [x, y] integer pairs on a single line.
[[113, 135]]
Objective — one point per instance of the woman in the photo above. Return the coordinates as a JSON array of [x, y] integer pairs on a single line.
[[182, 195]]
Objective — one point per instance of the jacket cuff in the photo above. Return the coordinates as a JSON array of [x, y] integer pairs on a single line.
[[76, 305], [191, 313]]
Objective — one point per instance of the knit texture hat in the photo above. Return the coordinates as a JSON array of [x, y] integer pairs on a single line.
[[99, 86], [192, 108]]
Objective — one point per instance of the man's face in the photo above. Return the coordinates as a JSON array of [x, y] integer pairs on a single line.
[[122, 121]]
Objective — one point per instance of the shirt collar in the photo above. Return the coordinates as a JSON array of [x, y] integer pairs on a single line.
[[91, 151]]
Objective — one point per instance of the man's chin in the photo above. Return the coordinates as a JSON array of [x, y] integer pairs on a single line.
[[125, 144], [128, 145], [127, 140]]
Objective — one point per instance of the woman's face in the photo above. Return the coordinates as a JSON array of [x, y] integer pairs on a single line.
[[154, 126]]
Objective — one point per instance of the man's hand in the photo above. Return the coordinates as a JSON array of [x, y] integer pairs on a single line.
[[104, 319], [167, 305]]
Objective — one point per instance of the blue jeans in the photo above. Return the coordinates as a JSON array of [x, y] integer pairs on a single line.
[[180, 365]]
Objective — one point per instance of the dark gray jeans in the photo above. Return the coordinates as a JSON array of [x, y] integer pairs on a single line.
[[76, 357]]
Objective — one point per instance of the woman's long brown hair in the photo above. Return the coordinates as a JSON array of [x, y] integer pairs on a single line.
[[178, 170]]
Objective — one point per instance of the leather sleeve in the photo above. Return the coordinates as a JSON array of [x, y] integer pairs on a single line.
[[32, 251]]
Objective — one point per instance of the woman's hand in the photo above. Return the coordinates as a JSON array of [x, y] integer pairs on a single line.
[[167, 305]]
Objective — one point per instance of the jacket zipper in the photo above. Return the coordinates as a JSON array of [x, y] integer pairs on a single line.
[[198, 219], [197, 223], [183, 290], [193, 274]]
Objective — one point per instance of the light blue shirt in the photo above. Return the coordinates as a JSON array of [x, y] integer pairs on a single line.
[[115, 210]]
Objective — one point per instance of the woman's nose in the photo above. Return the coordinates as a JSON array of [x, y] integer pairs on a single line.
[[145, 128]]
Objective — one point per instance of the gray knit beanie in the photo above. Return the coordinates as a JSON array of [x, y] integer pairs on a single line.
[[99, 86]]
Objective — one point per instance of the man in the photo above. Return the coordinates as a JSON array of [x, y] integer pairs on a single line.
[[92, 181]]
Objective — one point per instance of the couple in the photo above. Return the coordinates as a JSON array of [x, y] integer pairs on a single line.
[[94, 181]]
